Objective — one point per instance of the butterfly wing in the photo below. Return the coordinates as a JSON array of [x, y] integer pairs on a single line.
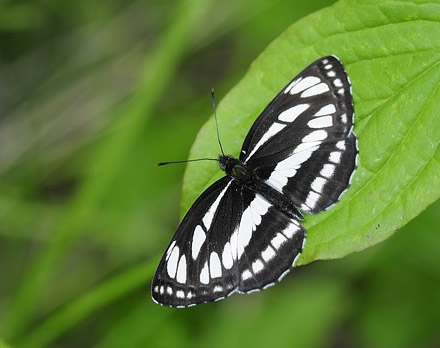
[[190, 271], [231, 239], [268, 243], [302, 144]]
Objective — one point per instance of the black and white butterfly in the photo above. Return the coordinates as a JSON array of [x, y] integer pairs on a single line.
[[243, 233]]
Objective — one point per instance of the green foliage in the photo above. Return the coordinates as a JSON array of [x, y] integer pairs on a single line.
[[391, 52], [3, 344], [93, 93]]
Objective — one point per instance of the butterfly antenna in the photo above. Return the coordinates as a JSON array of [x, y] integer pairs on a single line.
[[216, 122], [185, 161]]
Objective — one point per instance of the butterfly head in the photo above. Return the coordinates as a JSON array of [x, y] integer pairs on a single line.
[[227, 163]]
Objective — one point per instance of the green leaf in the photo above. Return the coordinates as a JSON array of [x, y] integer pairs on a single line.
[[391, 51]]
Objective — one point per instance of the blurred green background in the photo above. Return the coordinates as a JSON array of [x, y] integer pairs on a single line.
[[92, 94]]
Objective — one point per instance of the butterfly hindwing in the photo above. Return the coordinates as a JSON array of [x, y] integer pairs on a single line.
[[269, 243]]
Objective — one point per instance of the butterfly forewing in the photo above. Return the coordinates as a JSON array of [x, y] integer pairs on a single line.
[[236, 239], [301, 108], [308, 150]]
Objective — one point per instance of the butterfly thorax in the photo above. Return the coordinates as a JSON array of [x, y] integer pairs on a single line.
[[237, 169], [246, 176]]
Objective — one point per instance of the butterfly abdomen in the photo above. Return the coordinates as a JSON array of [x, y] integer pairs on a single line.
[[277, 199]]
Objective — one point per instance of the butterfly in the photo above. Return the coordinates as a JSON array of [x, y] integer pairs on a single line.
[[244, 233]]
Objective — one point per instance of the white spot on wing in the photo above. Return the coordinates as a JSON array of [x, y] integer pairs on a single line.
[[294, 161], [172, 262], [321, 122], [278, 240], [315, 90], [335, 157], [250, 219], [318, 135], [215, 266], [246, 274], [204, 274], [257, 266], [331, 74], [180, 294], [260, 205], [287, 168], [268, 254], [326, 110], [274, 129], [290, 230], [307, 82], [209, 216], [279, 180], [293, 83], [328, 170], [344, 118], [244, 231], [218, 288], [291, 114], [227, 256], [318, 184], [199, 237], [312, 199], [310, 146], [234, 244], [181, 270], [337, 82], [170, 248], [340, 145]]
